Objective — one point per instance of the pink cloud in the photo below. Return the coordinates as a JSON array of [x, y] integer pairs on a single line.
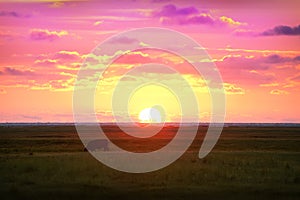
[[256, 63], [124, 40], [62, 59], [45, 62], [134, 58], [31, 117], [243, 70], [67, 55], [245, 33], [242, 63], [41, 81], [8, 35]]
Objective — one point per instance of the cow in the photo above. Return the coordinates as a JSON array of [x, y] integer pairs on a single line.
[[94, 145]]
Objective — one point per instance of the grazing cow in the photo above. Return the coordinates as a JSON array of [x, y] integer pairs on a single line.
[[97, 145]]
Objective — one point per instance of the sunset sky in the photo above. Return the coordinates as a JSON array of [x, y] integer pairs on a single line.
[[254, 44]]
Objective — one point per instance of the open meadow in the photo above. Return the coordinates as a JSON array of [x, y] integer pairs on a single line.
[[48, 162]]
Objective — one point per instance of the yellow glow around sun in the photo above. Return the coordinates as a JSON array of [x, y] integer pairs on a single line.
[[148, 96], [144, 104]]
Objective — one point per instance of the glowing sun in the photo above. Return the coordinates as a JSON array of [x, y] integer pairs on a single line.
[[150, 115]]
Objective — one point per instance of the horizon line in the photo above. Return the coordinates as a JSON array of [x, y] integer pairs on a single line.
[[175, 122]]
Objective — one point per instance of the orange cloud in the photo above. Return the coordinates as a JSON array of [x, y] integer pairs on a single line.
[[98, 23], [278, 92], [2, 91], [269, 85], [57, 4], [233, 89]]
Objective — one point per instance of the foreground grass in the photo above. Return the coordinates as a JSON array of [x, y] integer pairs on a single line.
[[221, 174], [245, 164]]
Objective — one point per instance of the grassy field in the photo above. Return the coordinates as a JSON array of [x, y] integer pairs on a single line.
[[48, 162]]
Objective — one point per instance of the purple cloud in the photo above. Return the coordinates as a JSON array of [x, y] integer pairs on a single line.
[[171, 10], [16, 72], [160, 1], [40, 34], [2, 91], [282, 30], [295, 78], [12, 14], [257, 63], [297, 59], [170, 14], [274, 58], [202, 19]]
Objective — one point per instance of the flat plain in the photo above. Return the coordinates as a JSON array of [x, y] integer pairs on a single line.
[[248, 162]]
